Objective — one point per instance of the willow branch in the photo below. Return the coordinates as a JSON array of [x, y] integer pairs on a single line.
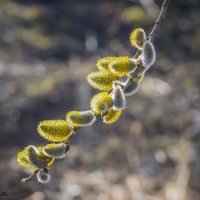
[[159, 20]]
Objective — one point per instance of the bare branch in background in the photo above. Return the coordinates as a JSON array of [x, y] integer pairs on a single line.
[[159, 20]]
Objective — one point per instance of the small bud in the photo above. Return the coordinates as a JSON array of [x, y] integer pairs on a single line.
[[148, 54], [101, 80], [43, 177], [55, 150], [102, 63], [112, 116], [131, 87], [83, 118], [122, 66], [55, 130], [119, 100], [100, 103], [137, 38]]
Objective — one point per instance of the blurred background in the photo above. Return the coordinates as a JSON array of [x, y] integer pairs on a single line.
[[47, 47]]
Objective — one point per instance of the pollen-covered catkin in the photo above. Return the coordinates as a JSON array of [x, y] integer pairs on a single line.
[[55, 130], [122, 66], [23, 158], [112, 116], [101, 80], [102, 63], [137, 38], [101, 102]]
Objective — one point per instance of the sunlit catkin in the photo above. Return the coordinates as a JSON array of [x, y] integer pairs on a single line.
[[148, 54], [118, 97], [80, 118], [55, 150], [101, 102], [101, 80], [137, 38], [122, 66], [24, 161], [112, 116], [131, 87], [34, 157], [55, 130], [102, 63]]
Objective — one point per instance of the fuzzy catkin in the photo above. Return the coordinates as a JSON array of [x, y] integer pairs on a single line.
[[112, 116], [80, 118], [34, 157], [137, 38], [55, 150], [43, 177], [122, 66], [55, 130], [118, 97], [101, 80], [148, 54], [131, 87], [101, 102]]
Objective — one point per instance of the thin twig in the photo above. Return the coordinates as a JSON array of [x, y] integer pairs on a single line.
[[159, 20], [31, 176]]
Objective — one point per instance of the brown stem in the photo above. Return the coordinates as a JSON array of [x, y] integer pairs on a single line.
[[159, 20], [31, 176]]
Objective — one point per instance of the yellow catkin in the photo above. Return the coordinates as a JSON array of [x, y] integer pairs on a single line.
[[80, 118], [137, 38], [101, 102], [122, 66], [101, 80], [102, 63], [23, 159], [112, 116], [55, 130]]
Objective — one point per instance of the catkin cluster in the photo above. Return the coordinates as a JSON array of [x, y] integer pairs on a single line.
[[115, 78]]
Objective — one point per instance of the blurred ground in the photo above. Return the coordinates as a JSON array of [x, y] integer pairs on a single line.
[[153, 152]]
